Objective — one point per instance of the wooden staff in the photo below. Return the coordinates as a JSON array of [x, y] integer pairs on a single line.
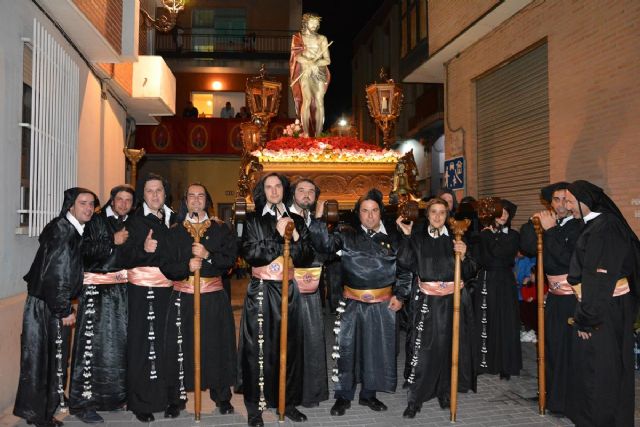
[[542, 391], [282, 386], [458, 228], [196, 231]]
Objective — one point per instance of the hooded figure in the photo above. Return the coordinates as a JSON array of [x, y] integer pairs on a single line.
[[375, 288], [496, 305], [216, 253], [603, 273], [559, 238], [98, 365], [54, 279]]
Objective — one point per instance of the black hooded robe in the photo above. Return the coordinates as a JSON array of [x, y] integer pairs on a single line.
[[99, 360], [366, 335], [147, 388], [217, 328], [559, 243], [262, 244], [498, 320], [54, 279], [601, 385], [430, 376]]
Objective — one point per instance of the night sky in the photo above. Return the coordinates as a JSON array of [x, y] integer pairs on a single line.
[[341, 22]]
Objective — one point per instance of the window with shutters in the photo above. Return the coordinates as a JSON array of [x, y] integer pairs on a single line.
[[512, 108]]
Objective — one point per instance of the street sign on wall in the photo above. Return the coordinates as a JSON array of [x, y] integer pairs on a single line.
[[454, 173]]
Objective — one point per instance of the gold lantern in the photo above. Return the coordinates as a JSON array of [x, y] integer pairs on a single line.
[[263, 98], [385, 102]]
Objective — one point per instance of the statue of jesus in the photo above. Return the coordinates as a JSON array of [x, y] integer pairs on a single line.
[[309, 73]]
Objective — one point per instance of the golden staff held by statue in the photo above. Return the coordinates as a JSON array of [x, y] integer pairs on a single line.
[[196, 231], [282, 386], [542, 393], [458, 228]]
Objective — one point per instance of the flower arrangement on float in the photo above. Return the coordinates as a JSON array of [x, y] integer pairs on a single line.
[[296, 146]]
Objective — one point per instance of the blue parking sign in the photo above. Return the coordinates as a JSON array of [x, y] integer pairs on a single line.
[[454, 173]]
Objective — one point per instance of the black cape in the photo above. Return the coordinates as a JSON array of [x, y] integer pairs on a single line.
[[366, 335], [99, 360], [496, 304], [261, 244], [217, 327], [601, 386], [54, 279], [430, 376], [559, 243], [147, 388]]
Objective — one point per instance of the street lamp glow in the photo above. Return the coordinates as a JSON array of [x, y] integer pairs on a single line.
[[342, 122], [217, 85]]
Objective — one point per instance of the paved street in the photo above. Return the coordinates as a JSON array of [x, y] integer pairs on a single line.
[[497, 403]]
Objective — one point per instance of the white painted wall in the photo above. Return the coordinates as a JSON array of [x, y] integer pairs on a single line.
[[101, 137]]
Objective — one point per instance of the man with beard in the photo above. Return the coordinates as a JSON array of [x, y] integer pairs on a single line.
[[259, 350], [99, 362], [375, 289], [53, 281], [213, 257], [561, 231], [146, 249], [315, 388], [603, 272]]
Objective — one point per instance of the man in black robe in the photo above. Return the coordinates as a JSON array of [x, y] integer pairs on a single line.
[[54, 279], [315, 388], [603, 272], [561, 231], [375, 289], [259, 351], [99, 361], [148, 291], [213, 256]]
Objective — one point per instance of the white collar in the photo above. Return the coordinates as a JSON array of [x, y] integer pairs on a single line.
[[505, 230], [565, 220], [267, 210], [110, 212], [76, 224], [591, 215], [441, 231], [193, 221], [380, 230], [307, 219], [167, 213]]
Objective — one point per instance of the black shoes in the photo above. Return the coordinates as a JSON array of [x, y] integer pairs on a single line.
[[444, 401], [144, 417], [53, 422], [505, 376], [225, 407], [411, 411], [339, 408], [374, 404], [173, 410], [89, 416], [255, 420], [294, 415]]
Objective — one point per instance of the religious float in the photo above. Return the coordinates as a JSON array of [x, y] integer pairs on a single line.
[[341, 165]]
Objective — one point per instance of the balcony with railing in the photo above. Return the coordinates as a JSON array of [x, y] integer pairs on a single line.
[[205, 43]]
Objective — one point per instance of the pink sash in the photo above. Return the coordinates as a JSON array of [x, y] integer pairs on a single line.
[[272, 271], [105, 278], [558, 285], [150, 277], [438, 289], [369, 296], [207, 284]]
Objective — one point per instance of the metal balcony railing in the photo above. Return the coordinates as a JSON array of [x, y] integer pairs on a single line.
[[207, 43]]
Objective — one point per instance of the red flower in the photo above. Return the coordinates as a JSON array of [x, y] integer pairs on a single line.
[[337, 142]]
